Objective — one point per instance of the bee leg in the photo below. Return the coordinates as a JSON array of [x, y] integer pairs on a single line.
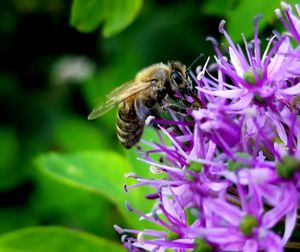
[[173, 97], [188, 104], [175, 108], [156, 115]]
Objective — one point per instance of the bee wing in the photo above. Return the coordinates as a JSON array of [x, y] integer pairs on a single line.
[[119, 89], [117, 96]]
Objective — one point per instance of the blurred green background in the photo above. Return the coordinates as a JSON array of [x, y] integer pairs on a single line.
[[61, 176]]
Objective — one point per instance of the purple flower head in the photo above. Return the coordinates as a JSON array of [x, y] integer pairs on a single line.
[[290, 21], [254, 79], [232, 163]]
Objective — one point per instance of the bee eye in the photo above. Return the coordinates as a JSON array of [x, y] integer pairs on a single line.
[[176, 76]]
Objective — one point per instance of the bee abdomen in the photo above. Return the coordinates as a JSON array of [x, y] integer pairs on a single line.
[[129, 129]]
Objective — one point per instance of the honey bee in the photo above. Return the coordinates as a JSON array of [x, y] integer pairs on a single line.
[[137, 99]]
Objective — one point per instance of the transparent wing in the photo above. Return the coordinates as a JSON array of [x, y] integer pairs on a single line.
[[118, 95], [119, 89]]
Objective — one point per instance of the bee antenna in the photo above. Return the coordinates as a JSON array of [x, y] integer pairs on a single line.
[[194, 61]]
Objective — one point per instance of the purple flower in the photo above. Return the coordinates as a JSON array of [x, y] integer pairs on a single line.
[[231, 166], [290, 21]]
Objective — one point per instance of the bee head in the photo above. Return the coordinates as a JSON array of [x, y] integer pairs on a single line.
[[179, 78]]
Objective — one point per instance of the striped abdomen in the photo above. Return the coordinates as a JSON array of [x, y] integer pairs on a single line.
[[129, 126]]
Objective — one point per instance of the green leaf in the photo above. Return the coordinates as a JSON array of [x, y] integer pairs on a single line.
[[54, 239], [101, 172], [240, 19], [8, 147], [69, 130], [60, 204], [9, 156], [121, 14], [116, 15], [212, 7], [87, 15], [14, 218]]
